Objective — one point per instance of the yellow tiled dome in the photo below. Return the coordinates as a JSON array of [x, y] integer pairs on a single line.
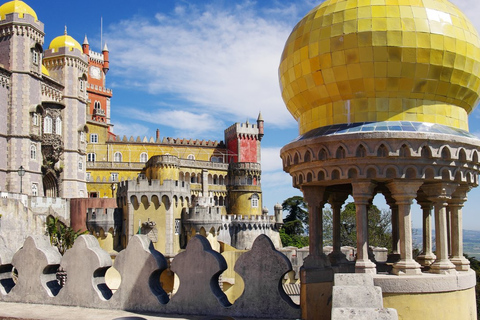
[[19, 7], [45, 71], [351, 61], [64, 41]]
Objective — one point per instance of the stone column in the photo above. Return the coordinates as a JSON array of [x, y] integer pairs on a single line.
[[393, 256], [404, 192], [455, 204], [439, 194], [362, 193], [426, 258], [315, 198], [336, 200], [316, 275]]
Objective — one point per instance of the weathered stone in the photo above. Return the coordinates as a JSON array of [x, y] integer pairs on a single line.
[[262, 269], [6, 281], [140, 266], [199, 268], [37, 263], [85, 264]]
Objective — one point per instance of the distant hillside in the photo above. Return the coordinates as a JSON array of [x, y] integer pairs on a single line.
[[471, 241]]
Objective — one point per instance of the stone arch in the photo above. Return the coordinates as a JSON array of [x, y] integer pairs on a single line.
[[322, 154], [166, 201], [309, 177], [382, 151], [175, 200], [446, 174], [391, 172], [308, 156], [50, 184], [361, 151], [321, 175], [475, 157], [335, 174], [134, 202], [289, 160], [426, 152], [156, 202], [352, 173], [145, 202], [410, 172], [462, 155], [300, 178], [445, 153], [429, 173], [296, 158], [469, 177], [340, 153], [404, 151], [458, 176], [371, 172]]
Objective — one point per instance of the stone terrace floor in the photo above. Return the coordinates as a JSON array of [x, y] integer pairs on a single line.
[[24, 311]]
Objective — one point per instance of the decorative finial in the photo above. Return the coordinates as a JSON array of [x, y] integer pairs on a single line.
[[65, 30], [85, 41]]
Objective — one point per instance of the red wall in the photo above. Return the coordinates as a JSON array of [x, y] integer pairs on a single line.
[[79, 208], [248, 150]]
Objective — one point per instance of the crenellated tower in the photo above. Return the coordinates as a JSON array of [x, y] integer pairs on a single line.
[[243, 145], [21, 40], [63, 144]]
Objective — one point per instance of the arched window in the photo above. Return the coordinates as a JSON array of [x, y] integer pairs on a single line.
[[143, 157], [35, 119], [33, 152], [58, 126], [47, 125], [117, 157], [254, 199], [34, 189], [191, 157]]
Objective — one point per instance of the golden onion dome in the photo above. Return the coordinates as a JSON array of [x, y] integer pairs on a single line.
[[64, 41], [45, 71], [19, 7], [351, 61]]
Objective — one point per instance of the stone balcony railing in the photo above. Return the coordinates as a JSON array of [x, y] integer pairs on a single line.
[[115, 165], [140, 266]]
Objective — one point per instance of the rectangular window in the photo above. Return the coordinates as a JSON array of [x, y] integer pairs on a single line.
[[80, 164], [35, 57], [82, 136], [35, 119], [114, 176], [94, 138], [177, 226], [91, 157], [88, 176]]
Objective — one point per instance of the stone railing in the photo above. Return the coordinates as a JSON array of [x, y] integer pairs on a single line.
[[140, 266]]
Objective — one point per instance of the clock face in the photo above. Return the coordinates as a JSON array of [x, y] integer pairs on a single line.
[[95, 72]]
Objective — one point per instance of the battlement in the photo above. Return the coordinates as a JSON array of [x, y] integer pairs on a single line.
[[167, 141], [248, 166], [99, 89], [247, 129], [145, 185], [96, 56], [23, 19]]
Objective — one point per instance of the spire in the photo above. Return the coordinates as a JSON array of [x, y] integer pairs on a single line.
[[85, 41], [105, 48], [86, 46], [260, 126], [260, 118]]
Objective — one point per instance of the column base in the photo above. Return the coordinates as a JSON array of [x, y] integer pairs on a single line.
[[427, 259], [365, 266], [393, 257], [337, 258], [461, 263], [406, 267], [442, 267]]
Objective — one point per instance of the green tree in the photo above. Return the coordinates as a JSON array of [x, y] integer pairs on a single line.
[[379, 226], [295, 223], [60, 235]]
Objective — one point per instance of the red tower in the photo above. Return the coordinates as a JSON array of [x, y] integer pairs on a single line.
[[98, 95]]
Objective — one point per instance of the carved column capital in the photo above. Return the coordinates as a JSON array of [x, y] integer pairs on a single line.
[[404, 191], [439, 192], [362, 191]]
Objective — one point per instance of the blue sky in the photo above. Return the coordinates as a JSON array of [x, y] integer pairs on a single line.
[[192, 68]]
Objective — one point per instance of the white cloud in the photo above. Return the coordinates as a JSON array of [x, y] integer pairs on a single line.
[[271, 160], [186, 124], [218, 60], [129, 129]]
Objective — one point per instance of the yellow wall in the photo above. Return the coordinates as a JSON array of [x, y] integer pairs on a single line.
[[433, 306], [240, 200]]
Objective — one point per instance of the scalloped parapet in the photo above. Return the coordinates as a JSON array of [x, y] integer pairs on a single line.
[[140, 287], [6, 280], [37, 263], [199, 292], [168, 140], [86, 264], [262, 269]]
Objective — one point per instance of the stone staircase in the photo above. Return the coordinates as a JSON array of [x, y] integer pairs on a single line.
[[355, 297]]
